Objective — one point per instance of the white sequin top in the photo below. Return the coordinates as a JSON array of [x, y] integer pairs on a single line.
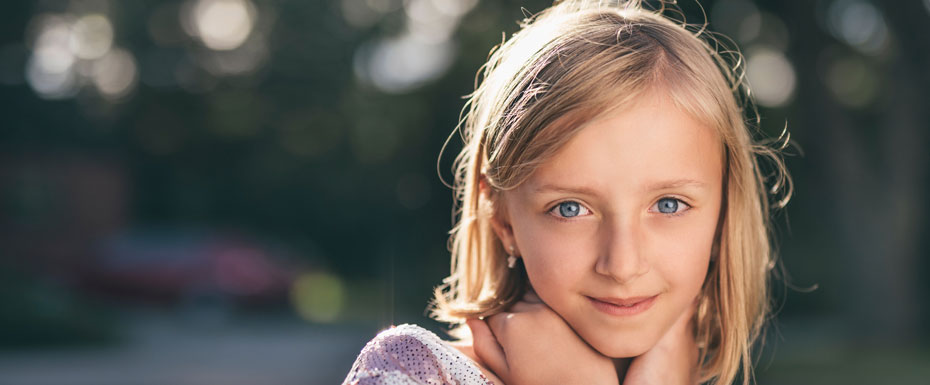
[[411, 355]]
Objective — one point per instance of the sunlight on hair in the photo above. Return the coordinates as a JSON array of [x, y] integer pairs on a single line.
[[771, 77], [318, 297]]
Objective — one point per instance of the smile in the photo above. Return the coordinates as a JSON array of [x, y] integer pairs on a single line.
[[621, 306]]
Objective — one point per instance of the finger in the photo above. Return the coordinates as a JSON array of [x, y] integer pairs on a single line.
[[498, 327], [487, 348]]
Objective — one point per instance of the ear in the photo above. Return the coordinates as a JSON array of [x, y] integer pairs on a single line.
[[499, 217]]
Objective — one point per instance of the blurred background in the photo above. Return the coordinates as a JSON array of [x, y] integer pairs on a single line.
[[244, 191]]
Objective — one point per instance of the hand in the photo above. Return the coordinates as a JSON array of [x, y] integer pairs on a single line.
[[673, 360], [531, 344]]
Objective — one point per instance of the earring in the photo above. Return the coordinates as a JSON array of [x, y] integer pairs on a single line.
[[511, 259]]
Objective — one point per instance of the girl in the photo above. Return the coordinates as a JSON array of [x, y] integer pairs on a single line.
[[614, 221]]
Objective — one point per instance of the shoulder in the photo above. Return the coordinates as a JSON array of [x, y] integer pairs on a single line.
[[409, 354]]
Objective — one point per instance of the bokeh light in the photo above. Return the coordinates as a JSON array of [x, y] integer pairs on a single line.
[[454, 8], [420, 54], [91, 36], [221, 24], [859, 24], [435, 20], [398, 65], [50, 85], [51, 49], [318, 297], [771, 77], [49, 69], [115, 75], [69, 52]]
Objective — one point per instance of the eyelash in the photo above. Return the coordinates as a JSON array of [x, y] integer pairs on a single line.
[[675, 214], [561, 218], [680, 202]]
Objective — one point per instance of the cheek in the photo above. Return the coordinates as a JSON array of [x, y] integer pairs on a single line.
[[682, 255], [555, 258]]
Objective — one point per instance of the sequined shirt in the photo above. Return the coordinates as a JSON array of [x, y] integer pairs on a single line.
[[411, 355]]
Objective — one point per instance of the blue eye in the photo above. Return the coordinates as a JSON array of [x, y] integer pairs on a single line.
[[670, 205], [570, 209]]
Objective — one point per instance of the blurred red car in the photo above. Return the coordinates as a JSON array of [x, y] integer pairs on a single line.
[[188, 268]]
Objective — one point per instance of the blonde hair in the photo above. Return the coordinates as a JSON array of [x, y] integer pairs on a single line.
[[567, 65]]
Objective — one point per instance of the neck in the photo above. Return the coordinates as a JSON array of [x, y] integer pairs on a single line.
[[622, 364]]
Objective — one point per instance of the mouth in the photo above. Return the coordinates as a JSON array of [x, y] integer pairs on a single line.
[[623, 306]]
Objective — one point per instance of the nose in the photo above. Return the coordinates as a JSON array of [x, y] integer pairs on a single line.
[[621, 257]]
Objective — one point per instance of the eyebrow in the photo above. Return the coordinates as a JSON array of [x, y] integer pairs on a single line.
[[655, 186], [676, 183], [564, 189]]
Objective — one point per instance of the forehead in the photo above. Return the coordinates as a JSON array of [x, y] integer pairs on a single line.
[[642, 145]]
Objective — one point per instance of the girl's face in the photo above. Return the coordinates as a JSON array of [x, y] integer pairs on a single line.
[[616, 229]]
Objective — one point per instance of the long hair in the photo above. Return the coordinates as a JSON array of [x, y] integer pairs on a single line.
[[568, 65]]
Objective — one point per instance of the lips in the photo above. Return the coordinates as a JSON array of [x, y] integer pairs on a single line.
[[623, 306], [624, 301]]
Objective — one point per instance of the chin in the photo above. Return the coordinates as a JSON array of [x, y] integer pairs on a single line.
[[623, 349]]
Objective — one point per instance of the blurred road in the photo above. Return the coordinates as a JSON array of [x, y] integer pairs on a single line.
[[166, 349]]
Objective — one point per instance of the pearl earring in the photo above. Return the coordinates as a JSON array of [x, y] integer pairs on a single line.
[[511, 259]]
